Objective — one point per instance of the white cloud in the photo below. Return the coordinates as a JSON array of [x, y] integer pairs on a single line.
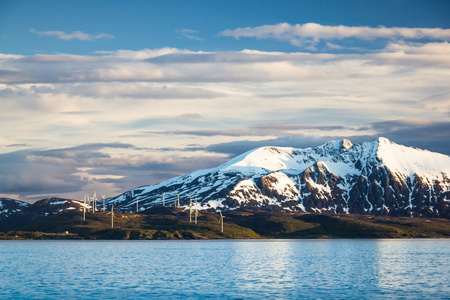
[[166, 67], [141, 90], [311, 33], [420, 48], [175, 65], [146, 53], [75, 35], [190, 34]]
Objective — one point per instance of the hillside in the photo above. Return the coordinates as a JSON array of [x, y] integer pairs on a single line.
[[9, 207], [167, 223], [15, 214]]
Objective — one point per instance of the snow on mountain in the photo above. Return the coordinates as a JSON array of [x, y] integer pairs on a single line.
[[283, 158], [407, 161], [377, 177], [10, 206], [15, 214]]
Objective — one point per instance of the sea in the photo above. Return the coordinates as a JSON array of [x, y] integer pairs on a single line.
[[226, 269]]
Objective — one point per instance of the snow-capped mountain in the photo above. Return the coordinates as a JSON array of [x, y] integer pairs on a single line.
[[377, 177]]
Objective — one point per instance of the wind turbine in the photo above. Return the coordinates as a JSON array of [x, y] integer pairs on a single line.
[[84, 208], [88, 201], [103, 196], [83, 214], [178, 200], [163, 200], [91, 201], [196, 214], [190, 210], [112, 215], [94, 201], [221, 221], [137, 205], [196, 210]]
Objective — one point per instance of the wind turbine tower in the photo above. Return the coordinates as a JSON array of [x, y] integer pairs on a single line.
[[190, 210], [221, 221], [103, 196], [196, 210], [91, 199], [84, 208], [112, 215], [94, 201], [164, 204]]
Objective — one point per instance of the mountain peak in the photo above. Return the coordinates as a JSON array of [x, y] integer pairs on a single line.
[[382, 141], [346, 144], [333, 148]]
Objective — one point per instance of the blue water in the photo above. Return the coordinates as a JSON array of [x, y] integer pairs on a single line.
[[288, 269]]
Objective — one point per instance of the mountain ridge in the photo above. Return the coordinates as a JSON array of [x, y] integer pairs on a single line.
[[16, 213], [378, 177], [10, 206]]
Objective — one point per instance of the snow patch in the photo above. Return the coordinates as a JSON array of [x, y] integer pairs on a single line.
[[58, 202]]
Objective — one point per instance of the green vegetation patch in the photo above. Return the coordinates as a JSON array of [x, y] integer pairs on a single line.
[[170, 223]]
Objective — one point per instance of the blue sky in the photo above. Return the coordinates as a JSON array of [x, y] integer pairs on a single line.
[[111, 95], [138, 25]]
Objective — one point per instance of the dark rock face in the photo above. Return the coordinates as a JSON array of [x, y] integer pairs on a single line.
[[382, 193]]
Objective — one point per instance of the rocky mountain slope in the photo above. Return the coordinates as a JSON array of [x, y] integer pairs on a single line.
[[377, 177], [9, 207]]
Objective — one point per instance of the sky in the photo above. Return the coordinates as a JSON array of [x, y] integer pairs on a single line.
[[110, 95]]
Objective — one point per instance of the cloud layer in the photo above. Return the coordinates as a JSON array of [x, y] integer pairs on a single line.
[[298, 34], [114, 120], [75, 35]]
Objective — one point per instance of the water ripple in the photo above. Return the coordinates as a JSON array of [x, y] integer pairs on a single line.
[[306, 269]]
